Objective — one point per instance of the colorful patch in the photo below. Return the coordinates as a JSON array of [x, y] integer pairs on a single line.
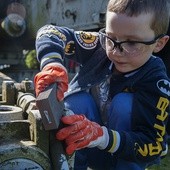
[[87, 40], [70, 48], [49, 31], [164, 86]]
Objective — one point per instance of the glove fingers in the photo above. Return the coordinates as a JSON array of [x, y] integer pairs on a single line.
[[78, 136], [61, 88], [71, 119], [71, 148], [79, 133], [51, 75], [45, 81], [76, 146], [65, 132], [42, 81], [72, 129], [80, 140], [60, 95]]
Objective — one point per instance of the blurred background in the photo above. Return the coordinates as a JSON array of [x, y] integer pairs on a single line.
[[21, 19]]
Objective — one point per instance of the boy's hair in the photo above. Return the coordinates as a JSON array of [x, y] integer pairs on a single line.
[[159, 9]]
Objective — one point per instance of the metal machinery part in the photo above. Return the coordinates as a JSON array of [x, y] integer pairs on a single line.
[[24, 143]]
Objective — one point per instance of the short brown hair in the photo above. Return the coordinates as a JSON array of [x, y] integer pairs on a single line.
[[159, 8]]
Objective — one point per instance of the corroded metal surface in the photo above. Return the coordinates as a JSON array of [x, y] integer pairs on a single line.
[[17, 155], [23, 141], [10, 113]]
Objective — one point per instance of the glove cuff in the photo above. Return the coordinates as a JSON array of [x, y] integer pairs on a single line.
[[104, 139], [55, 66], [114, 141]]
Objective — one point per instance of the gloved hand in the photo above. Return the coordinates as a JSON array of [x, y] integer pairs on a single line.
[[81, 132], [52, 73]]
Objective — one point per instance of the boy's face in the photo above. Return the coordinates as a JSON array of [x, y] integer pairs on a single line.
[[120, 27]]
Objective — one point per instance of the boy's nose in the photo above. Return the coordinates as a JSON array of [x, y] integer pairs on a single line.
[[117, 50]]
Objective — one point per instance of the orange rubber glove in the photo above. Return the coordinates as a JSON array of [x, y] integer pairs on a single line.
[[81, 132], [52, 74]]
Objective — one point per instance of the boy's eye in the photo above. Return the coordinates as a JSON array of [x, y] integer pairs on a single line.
[[112, 37], [131, 43]]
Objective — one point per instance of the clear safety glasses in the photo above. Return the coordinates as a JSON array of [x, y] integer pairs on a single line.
[[124, 46]]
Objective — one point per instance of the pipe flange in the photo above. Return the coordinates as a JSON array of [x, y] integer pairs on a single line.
[[8, 113]]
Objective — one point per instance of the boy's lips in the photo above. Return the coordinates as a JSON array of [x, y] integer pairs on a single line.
[[119, 63]]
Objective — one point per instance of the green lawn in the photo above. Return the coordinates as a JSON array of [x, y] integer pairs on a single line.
[[165, 163]]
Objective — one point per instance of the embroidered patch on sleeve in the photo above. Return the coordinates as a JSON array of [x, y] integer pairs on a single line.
[[87, 40], [164, 86], [70, 48], [50, 31]]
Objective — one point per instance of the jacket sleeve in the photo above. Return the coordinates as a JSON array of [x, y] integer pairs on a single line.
[[53, 43], [147, 140]]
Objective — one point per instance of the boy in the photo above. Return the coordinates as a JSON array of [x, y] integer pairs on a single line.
[[120, 97]]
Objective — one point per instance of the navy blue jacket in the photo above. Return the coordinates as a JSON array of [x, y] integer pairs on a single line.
[[149, 84]]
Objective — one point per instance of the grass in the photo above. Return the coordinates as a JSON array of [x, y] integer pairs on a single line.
[[165, 163]]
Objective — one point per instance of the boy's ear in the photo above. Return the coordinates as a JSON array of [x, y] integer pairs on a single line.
[[161, 43]]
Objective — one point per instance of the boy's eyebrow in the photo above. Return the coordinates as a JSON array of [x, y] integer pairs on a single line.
[[134, 37]]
